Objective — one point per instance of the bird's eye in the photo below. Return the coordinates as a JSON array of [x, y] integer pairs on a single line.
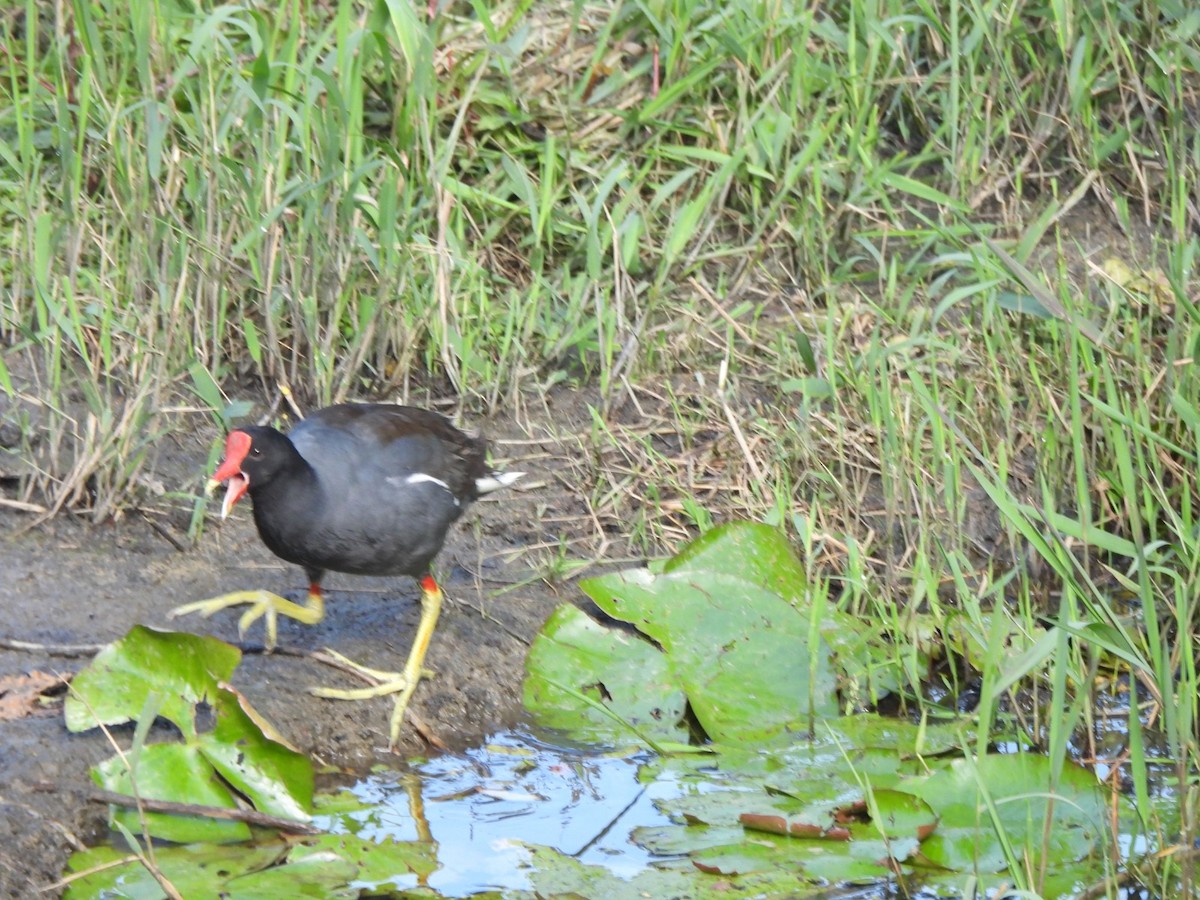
[[255, 451]]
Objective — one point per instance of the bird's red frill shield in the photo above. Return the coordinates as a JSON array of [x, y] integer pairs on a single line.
[[237, 446]]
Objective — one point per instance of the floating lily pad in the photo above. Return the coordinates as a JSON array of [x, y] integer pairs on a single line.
[[814, 810], [379, 864], [860, 860], [1060, 821], [829, 847], [323, 876], [904, 738], [672, 840], [326, 866], [556, 875], [198, 871]]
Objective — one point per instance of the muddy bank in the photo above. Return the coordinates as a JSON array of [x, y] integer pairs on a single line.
[[69, 583]]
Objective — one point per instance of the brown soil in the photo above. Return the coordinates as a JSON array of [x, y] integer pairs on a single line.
[[68, 583]]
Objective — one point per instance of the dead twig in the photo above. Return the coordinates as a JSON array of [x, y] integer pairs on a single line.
[[75, 876], [67, 650], [162, 532], [249, 816], [22, 506]]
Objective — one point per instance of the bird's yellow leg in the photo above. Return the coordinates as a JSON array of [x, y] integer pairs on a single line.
[[261, 603], [402, 683]]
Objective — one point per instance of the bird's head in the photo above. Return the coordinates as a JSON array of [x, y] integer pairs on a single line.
[[252, 455]]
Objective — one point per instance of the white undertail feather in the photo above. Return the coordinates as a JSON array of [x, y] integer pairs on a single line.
[[495, 481]]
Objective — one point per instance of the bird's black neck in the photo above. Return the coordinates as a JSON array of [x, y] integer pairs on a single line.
[[284, 501]]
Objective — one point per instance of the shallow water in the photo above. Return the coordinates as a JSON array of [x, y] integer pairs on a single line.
[[481, 808], [481, 805]]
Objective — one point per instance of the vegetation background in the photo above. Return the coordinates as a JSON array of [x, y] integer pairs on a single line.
[[913, 279]]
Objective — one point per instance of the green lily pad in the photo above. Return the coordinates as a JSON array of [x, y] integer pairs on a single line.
[[747, 659], [178, 773], [814, 811], [173, 674], [906, 739], [1061, 822], [183, 669], [336, 805], [276, 778], [556, 875], [885, 813], [327, 866], [324, 875], [754, 552], [197, 871], [741, 766], [893, 815], [619, 672], [820, 809], [757, 660], [861, 855], [826, 824], [860, 860], [674, 840], [761, 555], [378, 864]]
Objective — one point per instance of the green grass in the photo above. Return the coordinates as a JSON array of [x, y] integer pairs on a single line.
[[914, 279]]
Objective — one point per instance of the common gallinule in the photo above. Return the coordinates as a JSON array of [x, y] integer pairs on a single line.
[[369, 489]]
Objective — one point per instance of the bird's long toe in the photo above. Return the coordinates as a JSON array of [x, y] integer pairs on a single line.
[[397, 682], [404, 684], [261, 603]]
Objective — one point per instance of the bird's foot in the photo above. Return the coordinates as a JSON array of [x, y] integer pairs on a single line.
[[261, 603], [401, 683]]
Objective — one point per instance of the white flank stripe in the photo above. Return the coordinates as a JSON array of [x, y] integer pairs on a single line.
[[496, 481], [421, 478], [418, 477]]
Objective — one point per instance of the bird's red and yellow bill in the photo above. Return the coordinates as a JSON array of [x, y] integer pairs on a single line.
[[237, 446]]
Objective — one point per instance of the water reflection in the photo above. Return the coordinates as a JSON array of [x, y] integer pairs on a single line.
[[481, 805]]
